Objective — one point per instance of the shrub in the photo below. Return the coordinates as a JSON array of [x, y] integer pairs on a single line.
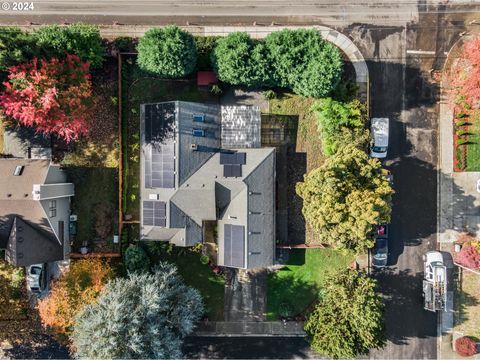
[[204, 259], [462, 141], [51, 96], [461, 132], [240, 60], [124, 44], [215, 89], [83, 40], [465, 346], [333, 116], [304, 61], [16, 46], [205, 46], [269, 94], [469, 256], [168, 52], [136, 259]]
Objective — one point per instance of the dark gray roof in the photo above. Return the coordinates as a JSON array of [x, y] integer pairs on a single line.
[[190, 161], [28, 245], [203, 191], [25, 142]]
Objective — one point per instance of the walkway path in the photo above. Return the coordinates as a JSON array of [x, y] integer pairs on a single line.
[[250, 328]]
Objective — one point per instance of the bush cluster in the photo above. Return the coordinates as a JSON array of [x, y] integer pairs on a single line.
[[167, 52], [300, 60], [83, 40]]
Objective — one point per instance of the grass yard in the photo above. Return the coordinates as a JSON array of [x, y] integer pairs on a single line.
[[473, 147], [467, 306], [195, 274], [297, 284], [308, 139], [139, 88], [95, 188], [12, 293]]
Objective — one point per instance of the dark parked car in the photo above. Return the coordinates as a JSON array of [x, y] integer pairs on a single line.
[[380, 250]]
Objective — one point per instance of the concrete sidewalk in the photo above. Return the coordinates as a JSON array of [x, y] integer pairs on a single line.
[[250, 328]]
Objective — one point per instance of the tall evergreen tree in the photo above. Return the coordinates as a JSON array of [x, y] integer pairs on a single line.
[[348, 319], [143, 316]]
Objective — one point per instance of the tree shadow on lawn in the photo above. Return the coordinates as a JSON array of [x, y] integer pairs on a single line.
[[289, 296]]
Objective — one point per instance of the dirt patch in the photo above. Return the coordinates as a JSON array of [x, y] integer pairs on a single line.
[[467, 305]]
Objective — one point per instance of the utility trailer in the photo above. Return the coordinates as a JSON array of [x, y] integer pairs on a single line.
[[434, 282]]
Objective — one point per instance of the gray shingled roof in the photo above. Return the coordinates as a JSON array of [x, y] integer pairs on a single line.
[[202, 192]]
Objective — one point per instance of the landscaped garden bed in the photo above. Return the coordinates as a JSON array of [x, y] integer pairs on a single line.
[[295, 287]]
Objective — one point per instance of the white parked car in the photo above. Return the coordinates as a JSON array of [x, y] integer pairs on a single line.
[[379, 130], [36, 278]]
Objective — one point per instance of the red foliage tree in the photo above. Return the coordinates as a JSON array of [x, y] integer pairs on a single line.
[[52, 96], [468, 257], [464, 77], [465, 346]]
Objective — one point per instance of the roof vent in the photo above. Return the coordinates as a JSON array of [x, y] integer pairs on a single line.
[[18, 170], [193, 147], [20, 255], [20, 239], [25, 195], [9, 195]]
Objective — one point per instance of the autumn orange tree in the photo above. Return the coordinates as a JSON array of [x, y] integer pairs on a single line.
[[77, 287], [463, 78]]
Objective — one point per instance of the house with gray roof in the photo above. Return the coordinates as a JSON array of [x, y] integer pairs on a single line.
[[35, 209], [203, 163]]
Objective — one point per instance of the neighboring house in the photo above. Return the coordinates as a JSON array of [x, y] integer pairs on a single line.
[[203, 164], [34, 211]]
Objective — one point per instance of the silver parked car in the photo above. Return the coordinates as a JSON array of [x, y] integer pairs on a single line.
[[36, 278]]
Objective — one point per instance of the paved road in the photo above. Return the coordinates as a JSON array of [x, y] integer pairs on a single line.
[[247, 348], [330, 12]]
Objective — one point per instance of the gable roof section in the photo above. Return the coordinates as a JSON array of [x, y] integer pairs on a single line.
[[28, 245]]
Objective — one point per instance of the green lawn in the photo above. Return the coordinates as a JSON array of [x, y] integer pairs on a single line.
[[195, 274], [308, 137], [473, 147], [93, 187], [467, 305], [139, 88], [297, 284]]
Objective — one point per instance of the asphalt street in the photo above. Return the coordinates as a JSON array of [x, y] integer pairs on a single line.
[[247, 347], [338, 13]]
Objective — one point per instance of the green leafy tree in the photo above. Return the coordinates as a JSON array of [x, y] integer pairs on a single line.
[[16, 46], [333, 116], [83, 40], [346, 196], [348, 319], [168, 52], [136, 259], [142, 316], [240, 60], [304, 61]]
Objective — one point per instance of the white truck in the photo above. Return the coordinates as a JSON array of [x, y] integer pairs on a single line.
[[434, 282], [379, 131]]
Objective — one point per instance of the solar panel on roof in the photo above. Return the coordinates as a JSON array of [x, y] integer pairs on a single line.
[[154, 213], [241, 158], [225, 158], [160, 157], [232, 170], [234, 245]]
